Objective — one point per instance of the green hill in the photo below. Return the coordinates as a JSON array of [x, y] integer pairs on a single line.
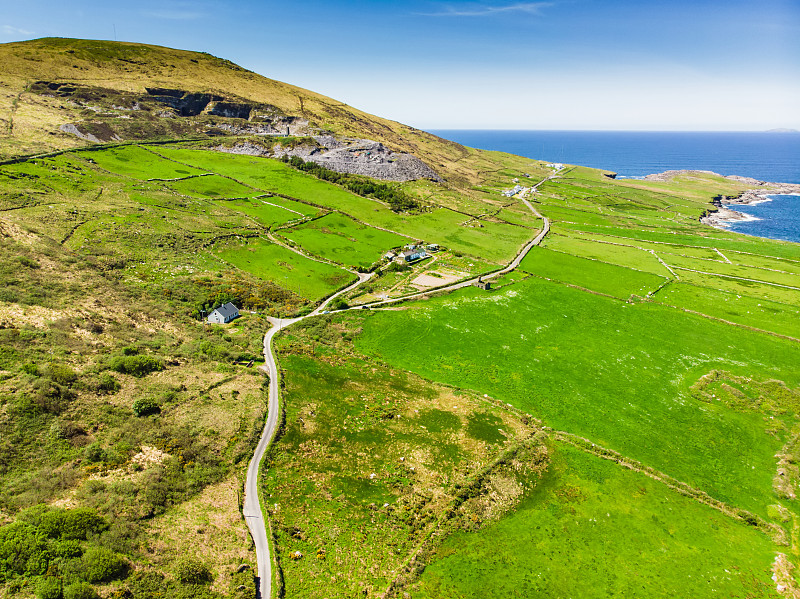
[[618, 416]]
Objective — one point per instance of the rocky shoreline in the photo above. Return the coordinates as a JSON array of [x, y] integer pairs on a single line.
[[721, 216]]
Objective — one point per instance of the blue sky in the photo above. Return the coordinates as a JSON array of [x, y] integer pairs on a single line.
[[560, 64]]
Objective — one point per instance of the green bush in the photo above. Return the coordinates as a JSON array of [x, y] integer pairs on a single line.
[[190, 570], [102, 565], [108, 383], [136, 365], [48, 588], [80, 590], [22, 551], [144, 406], [61, 374], [75, 524]]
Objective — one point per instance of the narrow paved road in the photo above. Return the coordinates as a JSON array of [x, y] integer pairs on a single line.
[[252, 511]]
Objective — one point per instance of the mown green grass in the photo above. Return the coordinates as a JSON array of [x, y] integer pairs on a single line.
[[594, 530], [274, 176], [212, 187], [494, 242], [341, 239], [615, 373], [592, 274], [711, 238], [765, 291], [721, 267], [742, 309], [285, 268], [271, 210], [627, 256], [367, 462], [139, 163]]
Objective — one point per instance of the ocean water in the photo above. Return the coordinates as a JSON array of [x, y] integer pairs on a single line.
[[771, 157], [777, 218], [764, 156]]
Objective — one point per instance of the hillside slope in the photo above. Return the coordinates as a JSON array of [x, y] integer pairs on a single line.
[[104, 79]]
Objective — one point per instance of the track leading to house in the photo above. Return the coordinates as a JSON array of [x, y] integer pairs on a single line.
[[251, 509]]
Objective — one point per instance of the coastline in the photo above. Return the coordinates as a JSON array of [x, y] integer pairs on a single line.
[[722, 215]]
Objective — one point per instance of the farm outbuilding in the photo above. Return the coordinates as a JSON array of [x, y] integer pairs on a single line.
[[223, 314]]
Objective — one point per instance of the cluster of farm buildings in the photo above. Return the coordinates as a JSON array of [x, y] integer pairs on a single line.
[[412, 252]]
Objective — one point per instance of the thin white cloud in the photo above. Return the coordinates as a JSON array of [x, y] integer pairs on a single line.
[[9, 30], [485, 10]]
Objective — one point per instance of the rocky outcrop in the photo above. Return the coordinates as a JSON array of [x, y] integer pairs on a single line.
[[362, 157], [355, 156], [101, 132]]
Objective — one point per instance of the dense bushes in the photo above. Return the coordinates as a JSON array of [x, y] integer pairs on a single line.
[[102, 565], [80, 590], [136, 365], [145, 406], [397, 199], [57, 551]]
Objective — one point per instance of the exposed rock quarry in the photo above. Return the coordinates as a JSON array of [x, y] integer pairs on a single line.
[[353, 156]]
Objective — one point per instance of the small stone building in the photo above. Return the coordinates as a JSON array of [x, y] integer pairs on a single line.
[[223, 314], [485, 285]]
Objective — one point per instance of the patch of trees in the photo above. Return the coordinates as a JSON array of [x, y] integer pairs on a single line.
[[398, 200], [58, 552]]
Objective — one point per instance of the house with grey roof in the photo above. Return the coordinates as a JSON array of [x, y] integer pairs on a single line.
[[223, 314]]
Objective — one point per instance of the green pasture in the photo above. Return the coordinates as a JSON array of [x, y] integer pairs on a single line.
[[134, 161], [367, 462], [274, 176], [741, 309], [307, 278], [621, 255], [212, 187], [270, 211], [792, 266], [772, 293], [589, 273], [341, 239], [494, 242], [591, 529], [710, 238], [719, 267], [618, 374]]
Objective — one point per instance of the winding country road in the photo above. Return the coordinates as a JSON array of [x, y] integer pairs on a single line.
[[251, 509]]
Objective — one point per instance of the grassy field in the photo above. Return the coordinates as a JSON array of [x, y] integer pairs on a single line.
[[308, 278], [582, 363], [591, 529], [137, 162], [213, 187], [341, 239], [372, 458], [742, 309], [590, 273]]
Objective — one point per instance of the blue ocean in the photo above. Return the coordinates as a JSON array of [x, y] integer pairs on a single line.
[[771, 157], [777, 218]]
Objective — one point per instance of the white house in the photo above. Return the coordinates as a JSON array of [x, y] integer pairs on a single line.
[[223, 314]]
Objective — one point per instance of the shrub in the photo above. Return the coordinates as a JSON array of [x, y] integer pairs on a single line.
[[102, 565], [108, 383], [190, 570], [144, 406], [48, 588], [136, 365], [63, 375], [75, 524], [80, 590]]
